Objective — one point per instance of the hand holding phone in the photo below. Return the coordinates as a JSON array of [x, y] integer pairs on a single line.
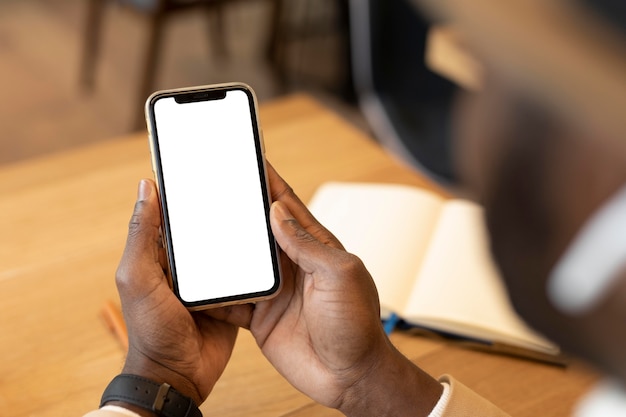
[[209, 164]]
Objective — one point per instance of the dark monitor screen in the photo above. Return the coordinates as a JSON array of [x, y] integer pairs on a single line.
[[416, 101]]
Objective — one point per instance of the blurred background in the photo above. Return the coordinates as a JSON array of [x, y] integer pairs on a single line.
[[77, 71]]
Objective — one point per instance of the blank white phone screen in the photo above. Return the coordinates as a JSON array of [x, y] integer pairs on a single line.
[[214, 197]]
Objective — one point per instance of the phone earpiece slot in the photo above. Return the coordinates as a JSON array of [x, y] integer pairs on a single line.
[[200, 96]]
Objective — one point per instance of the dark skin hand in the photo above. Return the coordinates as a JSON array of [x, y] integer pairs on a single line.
[[323, 331], [167, 343]]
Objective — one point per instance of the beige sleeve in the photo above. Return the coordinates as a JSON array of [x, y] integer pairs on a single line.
[[463, 402]]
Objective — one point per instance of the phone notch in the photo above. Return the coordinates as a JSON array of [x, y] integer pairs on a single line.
[[198, 96]]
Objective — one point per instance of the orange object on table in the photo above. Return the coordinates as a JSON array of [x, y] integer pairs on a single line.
[[114, 320]]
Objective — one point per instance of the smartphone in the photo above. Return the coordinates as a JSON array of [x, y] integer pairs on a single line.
[[208, 160]]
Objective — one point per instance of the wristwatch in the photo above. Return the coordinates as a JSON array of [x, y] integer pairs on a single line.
[[161, 399]]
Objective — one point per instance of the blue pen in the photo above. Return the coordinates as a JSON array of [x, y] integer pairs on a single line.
[[391, 323]]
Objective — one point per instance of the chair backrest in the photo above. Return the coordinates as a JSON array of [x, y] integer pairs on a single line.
[[406, 105]]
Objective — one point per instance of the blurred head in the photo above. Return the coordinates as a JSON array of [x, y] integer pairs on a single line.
[[541, 164], [539, 180]]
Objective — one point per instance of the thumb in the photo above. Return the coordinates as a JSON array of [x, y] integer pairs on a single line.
[[143, 243], [297, 243], [144, 225]]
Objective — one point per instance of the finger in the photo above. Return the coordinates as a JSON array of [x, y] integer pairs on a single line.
[[297, 243], [240, 315], [281, 191], [144, 227], [142, 252]]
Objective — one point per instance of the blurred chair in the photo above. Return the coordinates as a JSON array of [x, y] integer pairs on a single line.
[[312, 50], [406, 105], [158, 12]]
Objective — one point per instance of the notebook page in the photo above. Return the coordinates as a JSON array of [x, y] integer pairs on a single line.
[[459, 288]]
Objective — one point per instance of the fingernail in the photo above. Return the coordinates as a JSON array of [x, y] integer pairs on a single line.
[[144, 190], [281, 211]]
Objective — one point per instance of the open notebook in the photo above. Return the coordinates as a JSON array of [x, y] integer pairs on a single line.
[[430, 261]]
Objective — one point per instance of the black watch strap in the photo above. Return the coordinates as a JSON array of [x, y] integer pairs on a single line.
[[161, 399]]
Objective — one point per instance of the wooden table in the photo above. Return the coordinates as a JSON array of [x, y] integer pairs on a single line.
[[63, 222]]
